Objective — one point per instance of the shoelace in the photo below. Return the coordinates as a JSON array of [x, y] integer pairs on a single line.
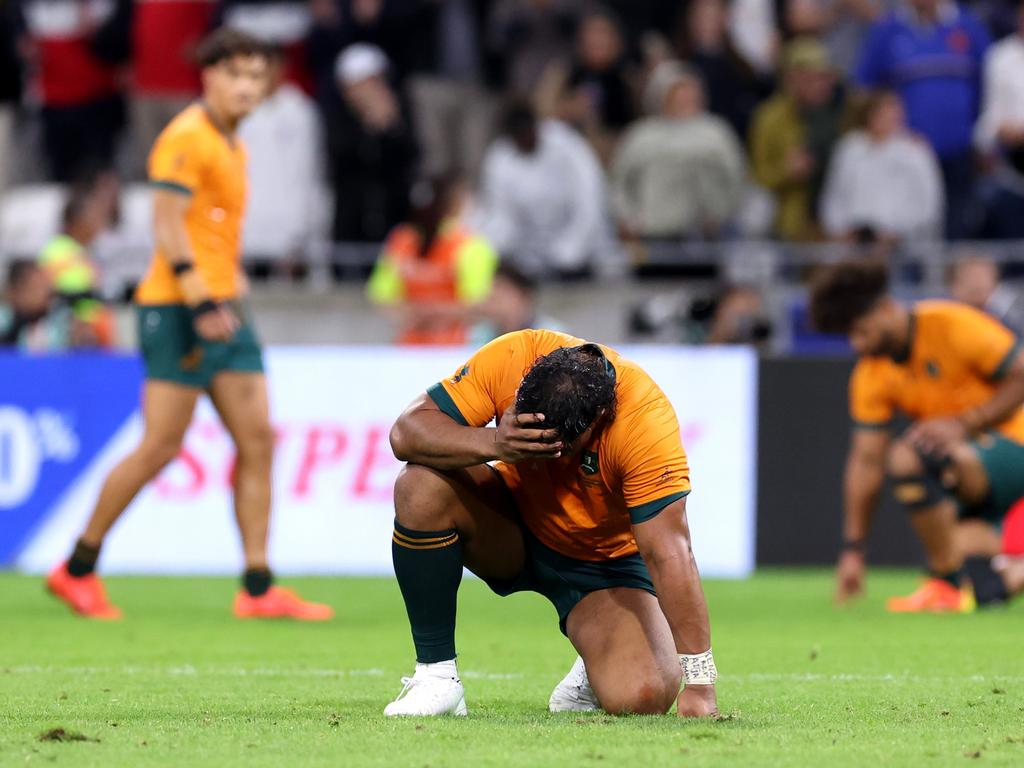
[[407, 685]]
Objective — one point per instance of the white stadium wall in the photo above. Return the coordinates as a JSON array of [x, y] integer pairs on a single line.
[[332, 408]]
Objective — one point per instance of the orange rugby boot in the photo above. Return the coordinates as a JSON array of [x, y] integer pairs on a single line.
[[934, 596], [279, 603], [84, 595]]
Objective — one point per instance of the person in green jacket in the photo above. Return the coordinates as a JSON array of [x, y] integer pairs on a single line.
[[793, 134], [89, 211]]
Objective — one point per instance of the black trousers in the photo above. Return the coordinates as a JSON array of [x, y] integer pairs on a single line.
[[81, 139]]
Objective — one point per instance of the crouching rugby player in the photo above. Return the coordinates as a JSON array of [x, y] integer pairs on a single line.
[[578, 493]]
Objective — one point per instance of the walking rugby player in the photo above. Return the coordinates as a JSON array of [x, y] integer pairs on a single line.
[[578, 493], [195, 335], [958, 375]]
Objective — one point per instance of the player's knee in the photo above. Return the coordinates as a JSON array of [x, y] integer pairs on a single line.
[[257, 445], [421, 497], [643, 695], [903, 460]]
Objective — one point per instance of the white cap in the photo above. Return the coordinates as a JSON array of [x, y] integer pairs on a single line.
[[359, 62]]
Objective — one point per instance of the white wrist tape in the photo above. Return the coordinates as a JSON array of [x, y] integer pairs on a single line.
[[698, 668]]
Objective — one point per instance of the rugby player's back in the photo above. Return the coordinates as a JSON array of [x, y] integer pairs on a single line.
[[956, 358], [195, 158], [581, 505]]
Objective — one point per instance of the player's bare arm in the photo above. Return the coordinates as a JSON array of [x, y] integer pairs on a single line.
[[664, 544], [862, 486], [214, 322], [425, 435], [938, 436]]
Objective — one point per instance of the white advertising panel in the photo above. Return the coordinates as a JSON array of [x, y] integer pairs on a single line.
[[333, 476]]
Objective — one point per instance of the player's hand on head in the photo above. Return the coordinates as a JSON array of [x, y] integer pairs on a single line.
[[522, 436], [697, 701], [849, 576], [219, 324]]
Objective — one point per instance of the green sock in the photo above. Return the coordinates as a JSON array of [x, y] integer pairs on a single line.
[[428, 565], [953, 578]]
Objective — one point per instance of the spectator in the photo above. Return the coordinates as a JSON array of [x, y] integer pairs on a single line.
[[511, 306], [285, 211], [793, 134], [371, 148], [680, 171], [974, 279], [433, 271], [543, 197], [732, 87], [841, 25], [753, 29], [738, 317], [884, 179], [455, 78], [74, 275], [10, 91], [1000, 133], [166, 77], [337, 24], [592, 92], [931, 52], [531, 34], [283, 24], [77, 57], [25, 319]]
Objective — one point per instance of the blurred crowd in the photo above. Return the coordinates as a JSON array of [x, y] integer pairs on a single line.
[[561, 134]]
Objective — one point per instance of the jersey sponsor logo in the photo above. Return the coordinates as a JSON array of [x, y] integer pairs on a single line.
[[958, 41], [933, 369], [589, 464], [461, 374]]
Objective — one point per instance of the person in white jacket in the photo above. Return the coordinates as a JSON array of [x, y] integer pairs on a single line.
[[999, 134], [287, 209], [680, 171], [883, 180], [543, 202]]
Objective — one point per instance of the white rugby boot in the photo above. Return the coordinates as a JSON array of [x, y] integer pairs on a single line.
[[574, 693], [433, 691]]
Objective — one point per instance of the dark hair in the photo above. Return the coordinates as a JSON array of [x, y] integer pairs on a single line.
[[516, 276], [570, 386], [867, 107], [226, 43], [844, 292], [20, 270], [431, 201], [518, 116], [75, 205]]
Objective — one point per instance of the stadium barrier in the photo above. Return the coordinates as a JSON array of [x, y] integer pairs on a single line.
[[803, 433], [64, 422]]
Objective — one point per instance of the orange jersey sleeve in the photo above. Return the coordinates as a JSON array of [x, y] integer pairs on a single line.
[[872, 404], [647, 452], [475, 394], [486, 385], [985, 344], [176, 161]]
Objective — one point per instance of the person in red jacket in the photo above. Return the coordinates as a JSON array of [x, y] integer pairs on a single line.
[[78, 48]]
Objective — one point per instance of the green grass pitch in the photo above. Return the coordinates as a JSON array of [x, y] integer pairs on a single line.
[[179, 682]]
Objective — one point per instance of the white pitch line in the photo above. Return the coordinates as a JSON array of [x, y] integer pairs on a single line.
[[188, 670]]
